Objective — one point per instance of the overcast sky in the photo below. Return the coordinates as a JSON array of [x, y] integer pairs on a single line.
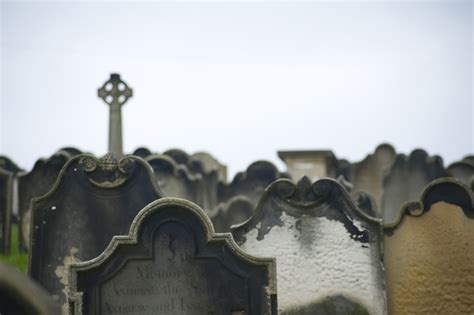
[[239, 80]]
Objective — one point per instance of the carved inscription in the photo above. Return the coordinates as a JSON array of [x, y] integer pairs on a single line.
[[174, 282]]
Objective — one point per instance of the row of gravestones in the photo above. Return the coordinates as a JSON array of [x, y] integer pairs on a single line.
[[96, 253], [384, 180], [199, 178]]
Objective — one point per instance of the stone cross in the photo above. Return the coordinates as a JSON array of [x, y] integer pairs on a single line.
[[115, 93]]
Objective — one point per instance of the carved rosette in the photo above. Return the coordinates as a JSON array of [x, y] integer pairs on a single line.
[[108, 172]]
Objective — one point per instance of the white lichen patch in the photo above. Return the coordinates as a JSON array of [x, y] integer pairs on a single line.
[[317, 258], [62, 273]]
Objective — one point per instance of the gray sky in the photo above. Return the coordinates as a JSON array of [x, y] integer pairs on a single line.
[[240, 80]]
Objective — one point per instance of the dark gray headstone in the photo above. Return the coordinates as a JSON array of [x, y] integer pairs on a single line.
[[463, 170], [142, 152], [91, 201], [8, 171], [236, 210], [325, 247], [21, 296], [34, 184], [406, 180], [172, 263]]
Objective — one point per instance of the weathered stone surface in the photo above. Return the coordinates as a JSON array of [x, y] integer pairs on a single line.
[[429, 253], [314, 164], [368, 175], [406, 179], [91, 201], [8, 171], [36, 183], [210, 164], [463, 170], [21, 296], [172, 263], [326, 248]]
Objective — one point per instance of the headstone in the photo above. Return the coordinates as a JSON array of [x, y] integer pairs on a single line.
[[172, 263], [429, 253], [328, 251], [8, 171], [91, 201], [115, 93], [142, 152], [463, 170], [210, 164], [406, 179], [314, 164], [36, 183], [21, 296], [176, 180], [236, 210], [368, 175]]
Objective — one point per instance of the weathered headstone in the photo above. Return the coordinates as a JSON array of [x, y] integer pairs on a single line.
[[91, 201], [368, 175], [21, 296], [406, 179], [236, 210], [8, 171], [115, 93], [176, 180], [314, 164], [142, 152], [251, 183], [36, 183], [172, 263], [463, 170], [328, 251], [429, 252], [210, 164]]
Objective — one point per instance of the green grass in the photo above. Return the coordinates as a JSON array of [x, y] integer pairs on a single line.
[[16, 258]]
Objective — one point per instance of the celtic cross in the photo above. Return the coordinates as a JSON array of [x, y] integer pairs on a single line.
[[115, 93]]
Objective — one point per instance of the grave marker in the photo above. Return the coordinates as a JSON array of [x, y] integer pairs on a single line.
[[406, 179], [429, 252], [172, 263], [91, 201], [328, 251]]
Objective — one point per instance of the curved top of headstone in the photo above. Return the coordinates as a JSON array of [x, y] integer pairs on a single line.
[[8, 165], [178, 155], [306, 199], [210, 164], [463, 170], [60, 156], [20, 295], [259, 170], [206, 244], [142, 152], [71, 150], [447, 189], [165, 163]]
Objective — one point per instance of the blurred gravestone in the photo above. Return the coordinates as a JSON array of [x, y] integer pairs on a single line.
[[406, 179], [368, 175], [8, 171], [328, 251], [463, 170], [91, 201], [429, 252], [36, 183], [21, 296], [314, 164], [173, 263]]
